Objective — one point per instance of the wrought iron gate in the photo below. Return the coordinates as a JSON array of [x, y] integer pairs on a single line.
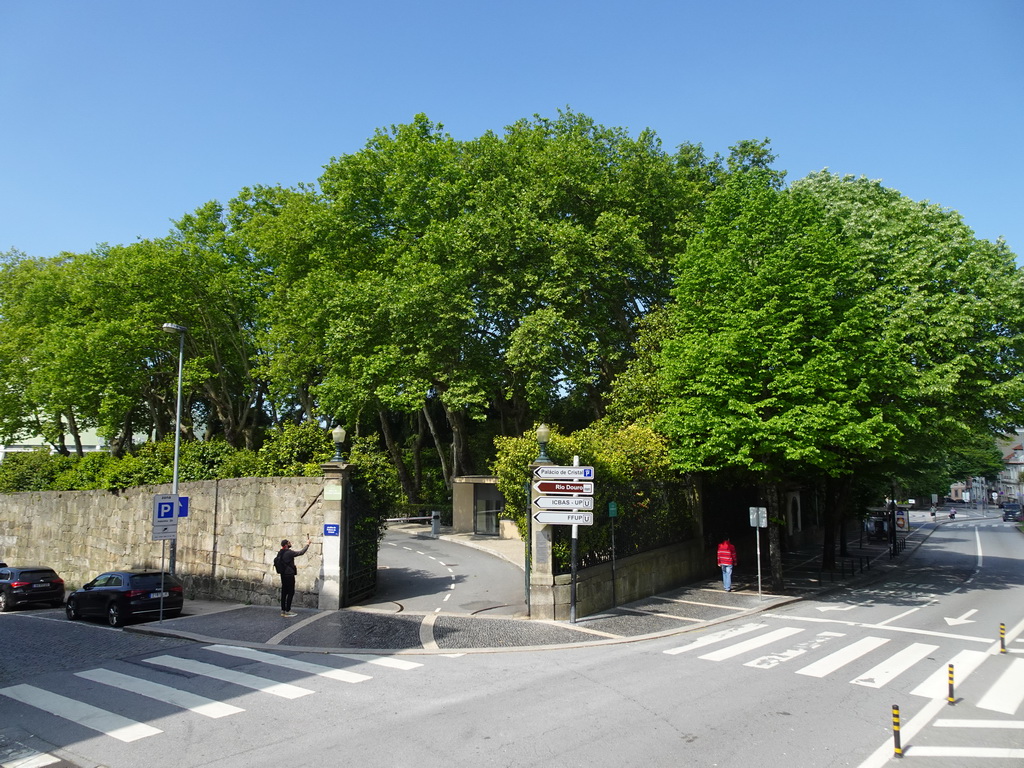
[[362, 538]]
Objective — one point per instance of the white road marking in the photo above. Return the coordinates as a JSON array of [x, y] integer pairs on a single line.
[[894, 666], [1008, 692], [38, 760], [284, 690], [984, 752], [383, 661], [289, 662], [165, 693], [121, 728], [749, 645], [952, 723], [881, 756], [715, 637], [842, 657], [774, 659], [937, 684]]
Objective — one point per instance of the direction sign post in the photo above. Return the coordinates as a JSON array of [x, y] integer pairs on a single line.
[[759, 520], [568, 492]]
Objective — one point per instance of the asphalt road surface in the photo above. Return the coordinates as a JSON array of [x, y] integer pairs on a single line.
[[421, 574], [809, 684]]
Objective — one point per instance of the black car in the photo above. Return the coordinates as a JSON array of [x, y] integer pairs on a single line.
[[119, 596], [1011, 513], [29, 584]]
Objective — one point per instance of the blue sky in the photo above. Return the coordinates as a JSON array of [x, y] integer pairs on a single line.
[[120, 115]]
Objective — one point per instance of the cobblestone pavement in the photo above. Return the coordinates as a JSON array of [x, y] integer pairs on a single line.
[[365, 630]]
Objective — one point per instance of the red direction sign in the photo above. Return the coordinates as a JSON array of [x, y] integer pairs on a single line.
[[563, 486]]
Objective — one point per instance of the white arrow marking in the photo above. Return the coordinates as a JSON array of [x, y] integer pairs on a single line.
[[963, 619]]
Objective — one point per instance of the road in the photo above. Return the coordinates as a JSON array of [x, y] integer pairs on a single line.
[[421, 574], [811, 684]]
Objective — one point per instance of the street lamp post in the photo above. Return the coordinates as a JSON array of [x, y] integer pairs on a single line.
[[543, 437], [180, 330], [338, 436]]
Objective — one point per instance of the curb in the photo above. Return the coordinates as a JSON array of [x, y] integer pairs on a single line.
[[777, 601]]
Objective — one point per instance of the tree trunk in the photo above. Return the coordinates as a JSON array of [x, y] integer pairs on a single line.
[[408, 487], [440, 448], [462, 462], [770, 492]]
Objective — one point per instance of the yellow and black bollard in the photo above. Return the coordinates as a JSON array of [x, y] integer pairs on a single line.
[[1002, 638], [951, 699], [897, 749]]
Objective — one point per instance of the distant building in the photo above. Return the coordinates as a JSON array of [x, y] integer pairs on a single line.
[[1009, 481], [91, 443]]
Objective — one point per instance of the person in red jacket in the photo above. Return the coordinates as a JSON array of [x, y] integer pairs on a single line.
[[726, 559]]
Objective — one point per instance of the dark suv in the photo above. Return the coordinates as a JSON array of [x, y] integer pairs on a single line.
[[29, 584], [1011, 513], [120, 596]]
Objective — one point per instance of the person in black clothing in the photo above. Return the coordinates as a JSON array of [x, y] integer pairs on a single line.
[[287, 569]]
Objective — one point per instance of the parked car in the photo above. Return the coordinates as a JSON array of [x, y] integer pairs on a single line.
[[120, 596], [29, 584]]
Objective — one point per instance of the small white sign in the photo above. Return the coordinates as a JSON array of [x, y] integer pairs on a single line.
[[564, 518], [554, 472], [564, 502], [165, 516]]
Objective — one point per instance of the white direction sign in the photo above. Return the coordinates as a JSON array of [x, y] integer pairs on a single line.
[[564, 518], [165, 516], [564, 502], [552, 472]]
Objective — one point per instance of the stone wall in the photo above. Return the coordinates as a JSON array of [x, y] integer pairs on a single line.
[[636, 577], [225, 548]]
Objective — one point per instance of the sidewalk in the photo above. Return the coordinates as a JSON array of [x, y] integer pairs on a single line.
[[359, 630]]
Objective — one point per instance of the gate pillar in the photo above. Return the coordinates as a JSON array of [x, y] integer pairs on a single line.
[[335, 538], [540, 564]]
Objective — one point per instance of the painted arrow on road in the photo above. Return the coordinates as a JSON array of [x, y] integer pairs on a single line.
[[963, 619]]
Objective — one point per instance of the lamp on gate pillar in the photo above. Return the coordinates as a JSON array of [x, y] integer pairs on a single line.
[[180, 330], [338, 436], [543, 436]]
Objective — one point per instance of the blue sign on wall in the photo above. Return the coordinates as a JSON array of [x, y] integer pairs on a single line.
[[332, 529], [183, 506]]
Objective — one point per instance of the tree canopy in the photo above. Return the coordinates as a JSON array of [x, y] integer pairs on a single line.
[[433, 294]]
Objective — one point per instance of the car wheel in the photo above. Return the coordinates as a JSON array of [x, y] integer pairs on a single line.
[[5, 604], [71, 609], [114, 615]]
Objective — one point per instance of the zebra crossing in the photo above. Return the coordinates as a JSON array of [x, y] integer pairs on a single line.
[[122, 728], [889, 661]]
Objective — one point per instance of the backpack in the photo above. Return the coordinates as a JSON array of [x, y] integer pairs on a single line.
[[279, 563]]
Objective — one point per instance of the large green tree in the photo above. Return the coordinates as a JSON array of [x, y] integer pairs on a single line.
[[453, 290], [833, 331]]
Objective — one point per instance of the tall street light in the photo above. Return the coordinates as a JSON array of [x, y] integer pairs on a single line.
[[180, 330]]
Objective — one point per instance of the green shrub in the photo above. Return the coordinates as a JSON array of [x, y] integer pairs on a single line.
[[31, 470], [295, 450]]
